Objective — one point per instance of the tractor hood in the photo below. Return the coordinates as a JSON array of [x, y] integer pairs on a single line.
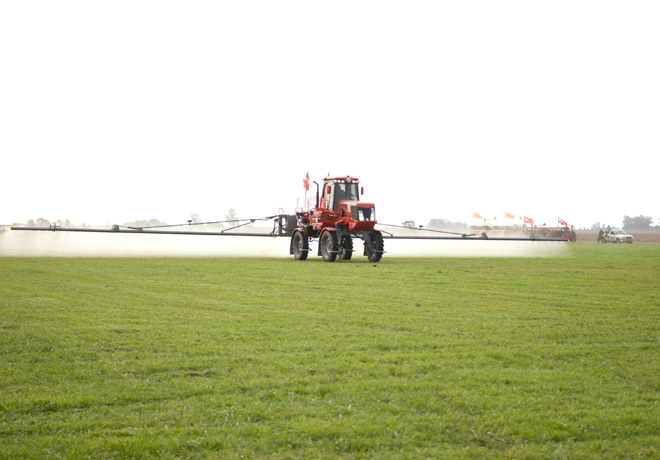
[[362, 215]]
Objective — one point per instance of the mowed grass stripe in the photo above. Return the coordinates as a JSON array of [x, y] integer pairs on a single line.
[[272, 358]]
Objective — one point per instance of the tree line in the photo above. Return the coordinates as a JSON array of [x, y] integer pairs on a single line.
[[639, 223], [230, 216]]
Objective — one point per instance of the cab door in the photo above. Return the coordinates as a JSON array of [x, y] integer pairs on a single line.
[[329, 195]]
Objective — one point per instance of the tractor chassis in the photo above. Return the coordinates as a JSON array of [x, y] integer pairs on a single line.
[[336, 243]]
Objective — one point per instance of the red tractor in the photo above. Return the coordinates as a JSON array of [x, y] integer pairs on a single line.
[[337, 217]]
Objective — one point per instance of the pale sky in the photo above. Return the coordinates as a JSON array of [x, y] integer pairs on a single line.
[[126, 110]]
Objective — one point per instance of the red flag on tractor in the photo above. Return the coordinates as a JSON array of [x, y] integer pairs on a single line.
[[562, 221], [529, 220], [306, 182]]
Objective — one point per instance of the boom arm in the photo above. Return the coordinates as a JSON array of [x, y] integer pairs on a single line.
[[283, 226]]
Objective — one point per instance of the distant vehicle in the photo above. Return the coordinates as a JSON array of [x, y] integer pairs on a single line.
[[614, 236]]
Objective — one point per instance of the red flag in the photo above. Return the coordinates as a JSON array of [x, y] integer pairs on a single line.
[[306, 182], [529, 221], [562, 221]]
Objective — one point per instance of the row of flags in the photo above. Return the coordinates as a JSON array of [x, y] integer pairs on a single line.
[[527, 220]]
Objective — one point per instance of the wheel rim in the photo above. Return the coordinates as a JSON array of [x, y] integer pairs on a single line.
[[329, 246], [375, 247], [345, 247], [299, 246]]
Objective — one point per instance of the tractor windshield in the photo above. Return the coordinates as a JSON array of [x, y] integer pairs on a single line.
[[346, 192], [340, 191]]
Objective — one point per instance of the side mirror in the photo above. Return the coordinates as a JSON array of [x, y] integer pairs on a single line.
[[361, 190]]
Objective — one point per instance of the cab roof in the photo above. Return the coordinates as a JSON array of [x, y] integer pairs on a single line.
[[346, 179]]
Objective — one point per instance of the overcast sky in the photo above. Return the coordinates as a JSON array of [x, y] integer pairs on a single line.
[[125, 110]]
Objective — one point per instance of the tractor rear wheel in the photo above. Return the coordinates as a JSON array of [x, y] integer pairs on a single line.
[[346, 247], [329, 247], [375, 247], [300, 246]]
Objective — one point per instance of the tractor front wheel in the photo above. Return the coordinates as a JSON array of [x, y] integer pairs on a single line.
[[329, 245], [300, 245], [346, 247], [375, 247]]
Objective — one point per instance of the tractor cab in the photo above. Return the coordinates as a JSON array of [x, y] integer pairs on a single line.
[[339, 189], [341, 203]]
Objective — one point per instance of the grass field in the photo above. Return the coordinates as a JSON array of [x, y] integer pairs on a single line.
[[272, 358]]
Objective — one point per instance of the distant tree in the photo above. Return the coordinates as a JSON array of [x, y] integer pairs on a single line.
[[43, 222], [144, 223], [597, 226], [444, 224], [231, 214], [637, 223]]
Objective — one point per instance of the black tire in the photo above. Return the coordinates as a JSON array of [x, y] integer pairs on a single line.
[[329, 246], [375, 246], [300, 246], [346, 247]]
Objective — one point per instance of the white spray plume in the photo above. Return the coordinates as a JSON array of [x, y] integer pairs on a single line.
[[65, 244]]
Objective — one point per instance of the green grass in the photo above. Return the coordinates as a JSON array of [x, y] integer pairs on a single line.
[[272, 358]]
